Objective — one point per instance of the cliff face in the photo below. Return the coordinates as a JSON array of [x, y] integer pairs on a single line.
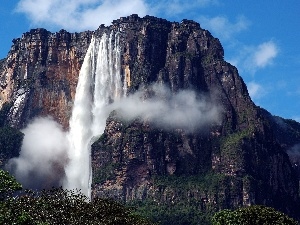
[[239, 161], [40, 75], [134, 161]]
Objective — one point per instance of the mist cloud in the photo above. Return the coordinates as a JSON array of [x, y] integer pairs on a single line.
[[43, 155], [183, 110]]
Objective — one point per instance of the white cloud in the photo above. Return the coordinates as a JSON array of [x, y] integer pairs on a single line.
[[255, 90], [79, 15], [265, 53], [253, 58], [222, 28]]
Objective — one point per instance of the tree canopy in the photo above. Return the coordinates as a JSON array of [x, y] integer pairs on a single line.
[[252, 215], [8, 184], [59, 206]]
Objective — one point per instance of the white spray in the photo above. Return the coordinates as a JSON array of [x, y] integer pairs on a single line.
[[99, 84]]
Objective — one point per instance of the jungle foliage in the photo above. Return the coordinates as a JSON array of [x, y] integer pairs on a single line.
[[58, 206], [252, 215]]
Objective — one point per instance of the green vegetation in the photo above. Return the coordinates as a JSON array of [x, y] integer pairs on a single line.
[[231, 147], [175, 214], [194, 200], [183, 199], [209, 181], [104, 173], [252, 215], [8, 185], [10, 138], [58, 206], [233, 140], [10, 142]]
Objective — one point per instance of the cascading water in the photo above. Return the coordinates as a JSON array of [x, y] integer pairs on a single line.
[[98, 85]]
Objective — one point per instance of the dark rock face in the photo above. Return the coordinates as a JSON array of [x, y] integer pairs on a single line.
[[241, 161], [130, 158]]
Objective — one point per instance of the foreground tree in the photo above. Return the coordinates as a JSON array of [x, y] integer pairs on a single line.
[[58, 206], [8, 185], [252, 215]]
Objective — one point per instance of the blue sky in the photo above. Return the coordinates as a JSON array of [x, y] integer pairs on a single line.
[[261, 38]]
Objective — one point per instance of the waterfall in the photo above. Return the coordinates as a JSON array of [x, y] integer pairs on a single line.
[[99, 84]]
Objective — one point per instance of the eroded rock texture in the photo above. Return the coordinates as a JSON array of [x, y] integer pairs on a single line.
[[40, 75]]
